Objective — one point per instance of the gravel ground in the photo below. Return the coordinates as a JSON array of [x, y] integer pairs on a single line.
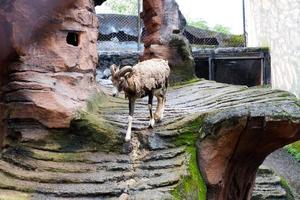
[[287, 166]]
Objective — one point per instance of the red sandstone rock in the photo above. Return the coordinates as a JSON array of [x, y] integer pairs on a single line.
[[52, 73], [236, 142], [163, 23], [1, 124]]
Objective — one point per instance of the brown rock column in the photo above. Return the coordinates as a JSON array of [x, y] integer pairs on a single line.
[[53, 73], [2, 132], [234, 145], [163, 37]]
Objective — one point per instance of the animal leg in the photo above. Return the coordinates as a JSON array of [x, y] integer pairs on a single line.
[[161, 101], [150, 102], [164, 92], [159, 108], [163, 108], [130, 118]]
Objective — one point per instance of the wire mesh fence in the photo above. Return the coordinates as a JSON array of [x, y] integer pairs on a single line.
[[201, 38], [118, 32], [120, 26], [121, 30]]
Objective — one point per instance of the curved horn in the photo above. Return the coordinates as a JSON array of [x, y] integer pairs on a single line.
[[124, 70], [113, 69]]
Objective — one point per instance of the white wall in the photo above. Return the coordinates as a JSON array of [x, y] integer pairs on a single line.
[[276, 24]]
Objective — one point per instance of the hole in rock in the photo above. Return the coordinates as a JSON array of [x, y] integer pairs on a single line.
[[73, 38]]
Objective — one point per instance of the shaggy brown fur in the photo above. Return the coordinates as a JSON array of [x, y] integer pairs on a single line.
[[148, 75], [147, 78]]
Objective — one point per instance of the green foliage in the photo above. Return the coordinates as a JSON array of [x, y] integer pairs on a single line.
[[294, 149], [234, 40], [191, 186], [221, 29], [124, 7], [200, 23], [287, 188]]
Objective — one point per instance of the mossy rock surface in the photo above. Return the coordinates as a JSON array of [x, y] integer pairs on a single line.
[[182, 63], [294, 149], [92, 160]]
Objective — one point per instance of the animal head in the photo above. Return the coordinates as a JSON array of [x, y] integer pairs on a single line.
[[118, 78]]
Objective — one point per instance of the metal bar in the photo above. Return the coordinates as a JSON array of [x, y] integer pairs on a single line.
[[262, 70], [244, 24], [239, 58], [213, 70], [139, 24], [265, 70], [210, 68]]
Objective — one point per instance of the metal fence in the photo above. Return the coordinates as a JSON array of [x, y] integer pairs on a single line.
[[121, 30], [120, 26]]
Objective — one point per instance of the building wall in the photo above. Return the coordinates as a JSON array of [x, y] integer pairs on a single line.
[[276, 24]]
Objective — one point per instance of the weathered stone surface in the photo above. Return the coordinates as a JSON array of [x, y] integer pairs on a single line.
[[2, 135], [53, 72], [285, 165], [54, 165], [18, 30], [268, 185], [235, 141], [163, 39]]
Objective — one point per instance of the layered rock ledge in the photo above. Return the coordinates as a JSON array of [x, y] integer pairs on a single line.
[[226, 130], [52, 72]]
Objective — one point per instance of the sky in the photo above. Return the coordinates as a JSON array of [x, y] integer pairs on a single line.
[[228, 13], [225, 12]]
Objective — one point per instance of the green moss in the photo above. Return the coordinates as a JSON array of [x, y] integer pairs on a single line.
[[89, 130], [234, 40], [287, 188], [191, 186], [183, 66], [294, 149]]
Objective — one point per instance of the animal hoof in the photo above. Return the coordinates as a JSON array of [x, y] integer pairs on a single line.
[[127, 138], [151, 123], [158, 118]]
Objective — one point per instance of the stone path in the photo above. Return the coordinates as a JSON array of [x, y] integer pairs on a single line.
[[286, 166], [40, 166]]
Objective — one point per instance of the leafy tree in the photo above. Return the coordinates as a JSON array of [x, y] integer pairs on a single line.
[[200, 23], [221, 29], [125, 7]]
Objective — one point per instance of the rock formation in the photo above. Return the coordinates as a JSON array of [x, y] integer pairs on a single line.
[[161, 163], [50, 76], [164, 23], [236, 140], [52, 72]]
